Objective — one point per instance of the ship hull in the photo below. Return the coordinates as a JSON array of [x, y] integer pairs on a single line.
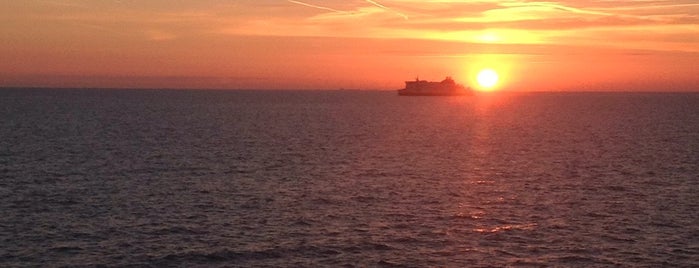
[[403, 92]]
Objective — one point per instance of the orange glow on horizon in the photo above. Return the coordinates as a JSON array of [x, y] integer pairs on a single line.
[[303, 44]]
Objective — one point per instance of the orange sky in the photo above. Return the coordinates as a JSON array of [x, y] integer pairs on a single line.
[[330, 44]]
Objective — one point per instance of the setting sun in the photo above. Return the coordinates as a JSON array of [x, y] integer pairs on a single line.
[[487, 78]]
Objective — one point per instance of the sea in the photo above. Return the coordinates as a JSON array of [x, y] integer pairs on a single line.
[[347, 178]]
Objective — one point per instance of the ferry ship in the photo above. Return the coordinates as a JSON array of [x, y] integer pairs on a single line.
[[426, 88]]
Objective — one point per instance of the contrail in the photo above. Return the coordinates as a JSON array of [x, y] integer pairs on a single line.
[[556, 6], [379, 5], [386, 8], [316, 6]]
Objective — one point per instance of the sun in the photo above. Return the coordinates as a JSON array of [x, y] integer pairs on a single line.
[[487, 78]]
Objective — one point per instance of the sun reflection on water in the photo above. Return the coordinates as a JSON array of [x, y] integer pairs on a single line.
[[526, 227]]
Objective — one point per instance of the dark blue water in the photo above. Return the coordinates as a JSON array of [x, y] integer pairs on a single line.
[[347, 178]]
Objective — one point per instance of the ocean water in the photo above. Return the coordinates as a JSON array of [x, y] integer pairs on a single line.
[[162, 178]]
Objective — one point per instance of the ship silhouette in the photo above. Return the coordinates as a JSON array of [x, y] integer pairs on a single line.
[[446, 87]]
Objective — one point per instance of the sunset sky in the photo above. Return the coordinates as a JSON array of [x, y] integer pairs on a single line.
[[364, 44]]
